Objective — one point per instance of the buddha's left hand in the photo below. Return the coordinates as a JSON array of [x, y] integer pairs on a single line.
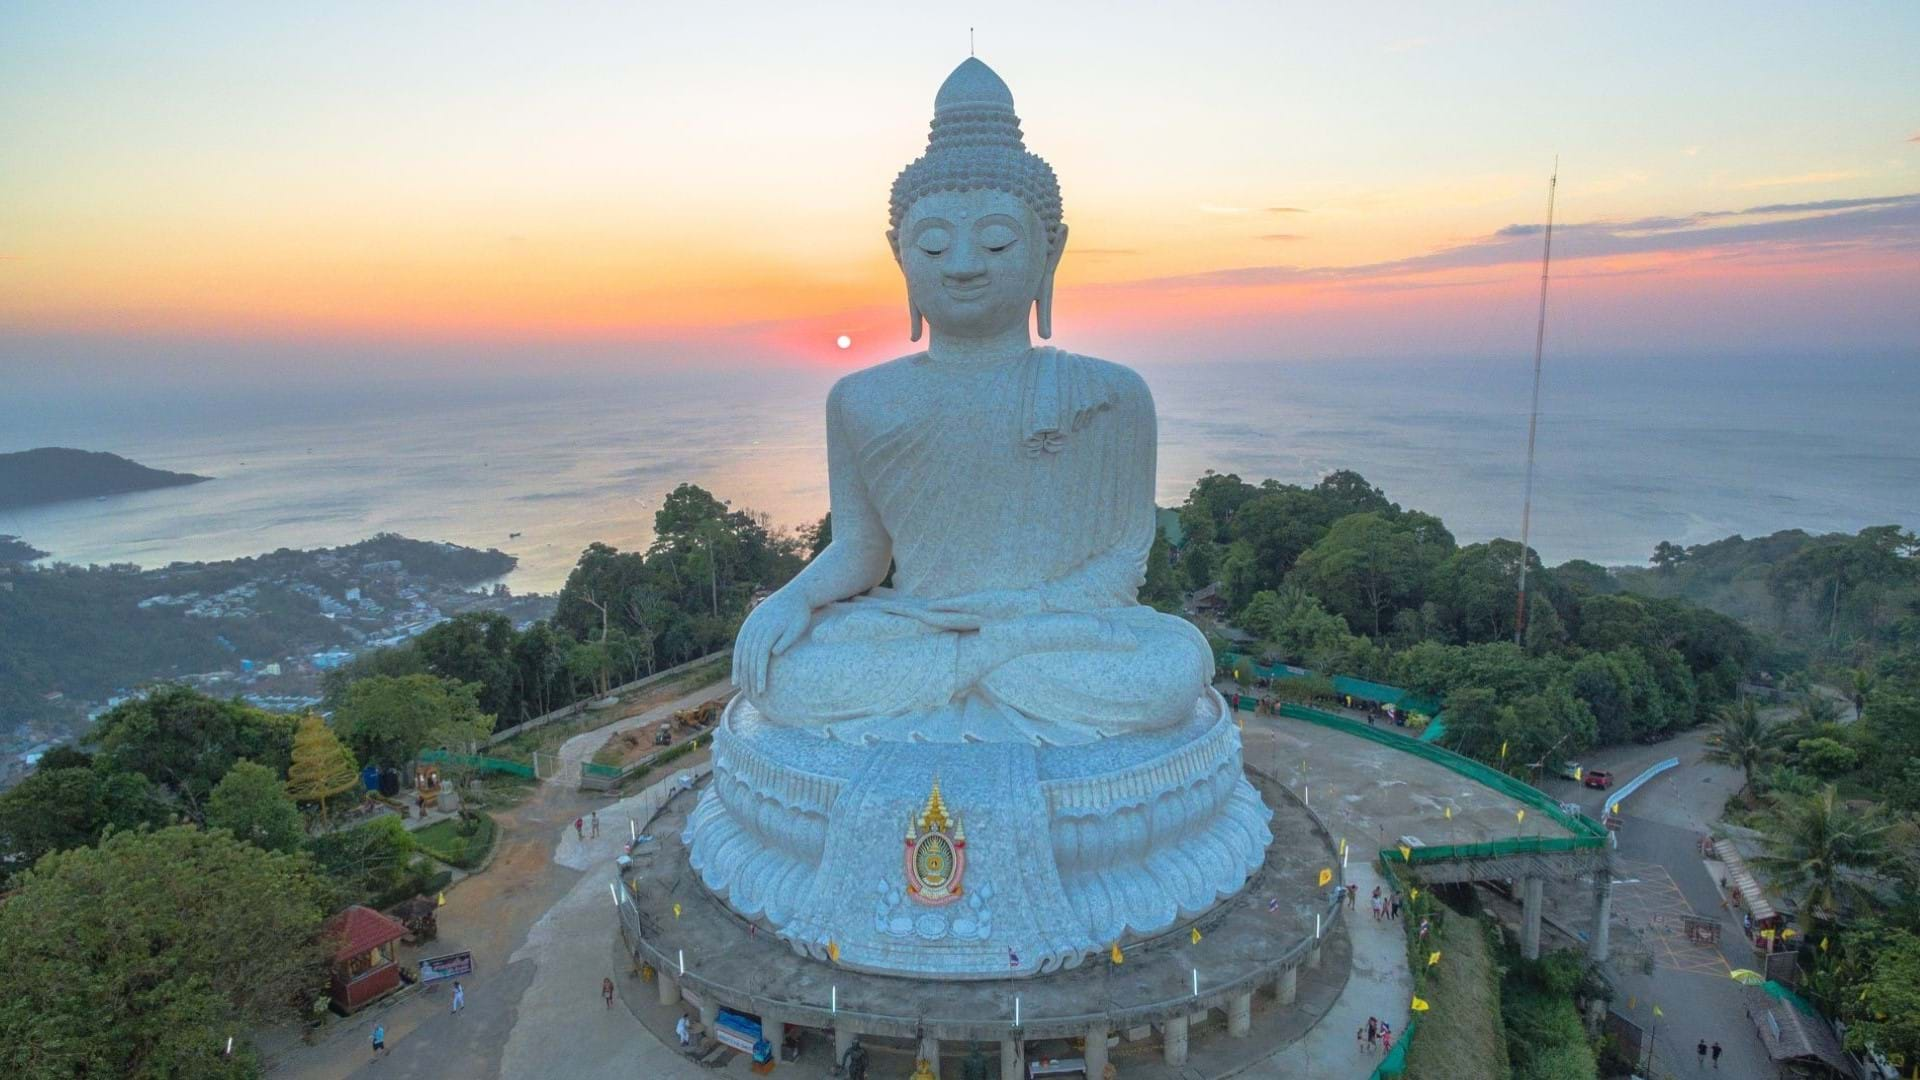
[[991, 604]]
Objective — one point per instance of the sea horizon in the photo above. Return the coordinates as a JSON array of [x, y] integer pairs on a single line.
[[1630, 453]]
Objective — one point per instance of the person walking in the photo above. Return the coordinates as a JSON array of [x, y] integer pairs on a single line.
[[459, 997], [1386, 1038], [379, 1040], [596, 823], [1353, 895], [1702, 1051], [683, 1031], [579, 828], [1716, 1053], [1373, 1032], [606, 992], [1360, 1040]]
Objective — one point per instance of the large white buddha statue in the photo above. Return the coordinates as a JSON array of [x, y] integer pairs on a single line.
[[1001, 762], [1009, 487]]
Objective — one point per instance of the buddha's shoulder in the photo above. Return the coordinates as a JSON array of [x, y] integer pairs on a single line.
[[1117, 380]]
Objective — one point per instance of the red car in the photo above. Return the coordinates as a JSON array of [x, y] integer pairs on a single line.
[[1599, 778]]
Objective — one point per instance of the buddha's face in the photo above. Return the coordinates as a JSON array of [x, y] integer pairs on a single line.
[[974, 261]]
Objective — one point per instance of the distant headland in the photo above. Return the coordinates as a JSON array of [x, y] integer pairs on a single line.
[[55, 474], [14, 549]]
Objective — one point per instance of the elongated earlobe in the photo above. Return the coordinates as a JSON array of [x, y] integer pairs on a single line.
[[914, 320], [1043, 303]]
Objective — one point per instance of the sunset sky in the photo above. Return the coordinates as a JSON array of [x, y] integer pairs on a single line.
[[225, 186]]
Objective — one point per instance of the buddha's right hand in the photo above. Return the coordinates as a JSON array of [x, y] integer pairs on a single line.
[[771, 629]]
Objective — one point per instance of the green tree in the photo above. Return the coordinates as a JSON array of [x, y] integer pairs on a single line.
[[1667, 555], [1886, 1013], [1196, 561], [1369, 564], [388, 721], [186, 741], [475, 647], [1160, 589], [200, 936], [1475, 589], [1742, 739], [367, 862], [57, 809], [322, 768], [1816, 850], [251, 803]]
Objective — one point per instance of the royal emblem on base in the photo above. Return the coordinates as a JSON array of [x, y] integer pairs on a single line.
[[936, 852]]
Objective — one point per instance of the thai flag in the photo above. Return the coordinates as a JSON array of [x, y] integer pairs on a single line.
[[1013, 959], [1273, 905]]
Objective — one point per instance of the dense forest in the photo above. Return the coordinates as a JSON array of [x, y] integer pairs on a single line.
[[54, 474], [1339, 578]]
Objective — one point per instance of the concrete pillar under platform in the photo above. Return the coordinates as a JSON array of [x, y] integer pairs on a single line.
[[1313, 956], [1173, 1041], [930, 1053], [1287, 990], [1599, 945], [669, 988], [1240, 1015], [709, 1011], [1532, 899], [1096, 1053], [843, 1037], [1011, 1067]]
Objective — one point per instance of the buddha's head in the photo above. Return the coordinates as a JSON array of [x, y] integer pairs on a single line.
[[975, 221]]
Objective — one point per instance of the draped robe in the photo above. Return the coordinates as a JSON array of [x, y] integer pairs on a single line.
[[1033, 474]]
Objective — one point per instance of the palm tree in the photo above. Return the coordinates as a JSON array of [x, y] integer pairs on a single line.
[[1816, 710], [1815, 847], [1743, 740], [1861, 682]]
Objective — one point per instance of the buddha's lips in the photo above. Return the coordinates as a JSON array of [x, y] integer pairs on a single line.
[[967, 292]]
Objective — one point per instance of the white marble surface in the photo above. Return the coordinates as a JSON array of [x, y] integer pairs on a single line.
[[1008, 489]]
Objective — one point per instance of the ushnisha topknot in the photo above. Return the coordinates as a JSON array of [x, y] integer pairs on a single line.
[[975, 143]]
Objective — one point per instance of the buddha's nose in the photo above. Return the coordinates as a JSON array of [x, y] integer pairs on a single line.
[[966, 263]]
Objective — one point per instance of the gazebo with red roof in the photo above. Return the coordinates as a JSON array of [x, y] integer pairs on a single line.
[[363, 962]]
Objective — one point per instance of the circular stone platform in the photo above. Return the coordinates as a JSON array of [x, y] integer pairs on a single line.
[[1259, 938]]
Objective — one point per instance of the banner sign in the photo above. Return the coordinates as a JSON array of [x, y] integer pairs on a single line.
[[450, 966]]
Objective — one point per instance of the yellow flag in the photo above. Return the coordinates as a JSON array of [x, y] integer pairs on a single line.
[[1433, 957], [1632, 1004], [1576, 772], [1614, 809], [833, 952], [676, 911], [1420, 1004], [1406, 854], [1326, 874], [1413, 894], [1195, 935], [1503, 749], [1449, 813], [1823, 944], [1114, 954], [1520, 816], [1343, 849], [443, 900], [1657, 1012]]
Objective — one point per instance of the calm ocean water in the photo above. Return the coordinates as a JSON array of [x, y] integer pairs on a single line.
[[1630, 453]]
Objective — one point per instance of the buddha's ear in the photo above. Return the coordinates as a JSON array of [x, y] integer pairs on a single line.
[[915, 321], [1043, 303]]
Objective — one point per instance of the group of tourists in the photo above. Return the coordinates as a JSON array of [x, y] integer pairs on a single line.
[[1377, 1034], [1386, 905]]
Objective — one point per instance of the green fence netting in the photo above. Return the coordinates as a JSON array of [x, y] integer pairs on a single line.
[[477, 761], [1398, 697]]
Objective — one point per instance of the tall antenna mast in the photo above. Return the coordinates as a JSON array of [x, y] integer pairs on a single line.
[[1533, 419]]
